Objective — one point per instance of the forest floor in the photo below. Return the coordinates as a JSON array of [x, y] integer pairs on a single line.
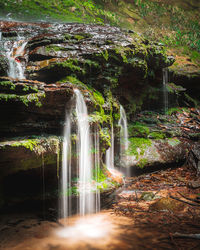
[[159, 210]]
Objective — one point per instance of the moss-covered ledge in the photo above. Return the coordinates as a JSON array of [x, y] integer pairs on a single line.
[[157, 152], [25, 154]]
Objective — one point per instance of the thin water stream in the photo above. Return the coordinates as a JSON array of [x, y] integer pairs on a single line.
[[165, 91], [88, 194], [110, 151], [16, 69], [123, 137], [66, 169]]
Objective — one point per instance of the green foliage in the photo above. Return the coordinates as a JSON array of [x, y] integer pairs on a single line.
[[137, 146], [105, 54], [64, 10], [92, 64], [105, 139], [184, 27], [173, 88], [72, 191], [98, 117], [142, 162], [98, 175], [191, 100], [98, 97]]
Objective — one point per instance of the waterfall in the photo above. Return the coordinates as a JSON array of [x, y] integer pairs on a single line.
[[89, 195], [97, 168], [123, 137], [66, 170], [165, 91], [15, 67], [110, 152], [86, 196]]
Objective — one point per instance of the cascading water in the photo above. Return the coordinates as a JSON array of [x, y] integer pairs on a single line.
[[165, 92], [86, 196], [97, 167], [89, 195], [123, 137], [15, 67], [66, 170], [110, 152]]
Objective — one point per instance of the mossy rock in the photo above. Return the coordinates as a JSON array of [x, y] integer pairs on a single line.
[[21, 155], [3, 66]]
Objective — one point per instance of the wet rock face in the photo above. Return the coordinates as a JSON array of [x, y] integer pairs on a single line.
[[58, 57], [161, 140], [103, 62], [29, 107]]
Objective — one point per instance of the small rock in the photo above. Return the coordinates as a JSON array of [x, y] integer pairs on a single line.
[[194, 184], [167, 203]]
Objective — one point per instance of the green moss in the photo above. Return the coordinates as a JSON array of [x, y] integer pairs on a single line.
[[98, 97], [138, 130], [105, 54], [116, 116], [142, 163], [79, 37], [4, 85], [70, 66], [113, 80], [191, 100], [137, 146], [98, 117], [92, 64], [28, 144], [72, 191], [173, 88], [175, 110], [105, 139], [54, 48], [98, 175], [173, 142], [157, 135], [25, 99], [73, 80], [123, 52]]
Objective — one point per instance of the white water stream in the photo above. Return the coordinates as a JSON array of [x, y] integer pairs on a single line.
[[15, 67], [123, 137], [110, 151], [86, 196], [97, 168], [66, 170], [165, 91], [89, 195]]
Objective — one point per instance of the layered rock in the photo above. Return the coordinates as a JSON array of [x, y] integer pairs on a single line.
[[109, 66]]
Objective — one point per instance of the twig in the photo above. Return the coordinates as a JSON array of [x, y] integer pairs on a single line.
[[187, 198], [192, 236], [192, 204]]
